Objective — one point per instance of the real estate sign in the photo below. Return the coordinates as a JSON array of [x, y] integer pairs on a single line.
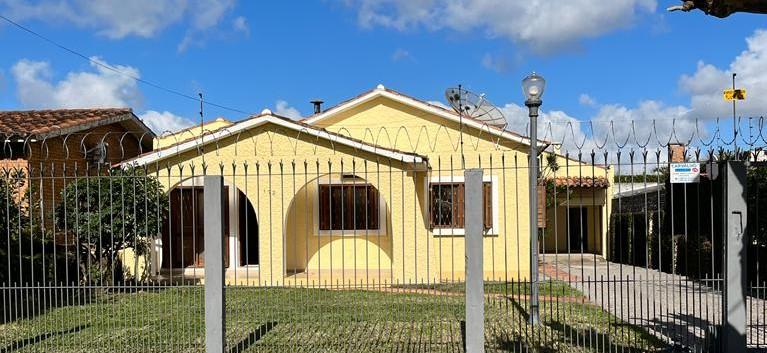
[[685, 173]]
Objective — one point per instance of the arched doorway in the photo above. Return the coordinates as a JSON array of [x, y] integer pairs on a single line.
[[183, 234], [247, 231]]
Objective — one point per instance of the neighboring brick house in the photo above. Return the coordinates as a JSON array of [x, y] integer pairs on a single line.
[[50, 146]]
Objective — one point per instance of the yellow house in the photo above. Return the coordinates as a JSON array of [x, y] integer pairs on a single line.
[[169, 139], [367, 192]]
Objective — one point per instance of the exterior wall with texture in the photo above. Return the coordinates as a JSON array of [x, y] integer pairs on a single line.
[[279, 170]]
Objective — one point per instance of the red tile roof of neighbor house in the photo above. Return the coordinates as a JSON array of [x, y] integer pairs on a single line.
[[39, 122], [583, 182]]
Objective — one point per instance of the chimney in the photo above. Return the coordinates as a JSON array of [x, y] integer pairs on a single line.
[[676, 152], [317, 105]]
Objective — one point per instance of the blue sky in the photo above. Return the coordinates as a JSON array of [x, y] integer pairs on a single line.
[[255, 55]]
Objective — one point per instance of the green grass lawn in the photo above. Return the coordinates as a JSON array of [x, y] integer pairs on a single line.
[[549, 288], [313, 320]]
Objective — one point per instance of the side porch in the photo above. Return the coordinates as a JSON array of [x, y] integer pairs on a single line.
[[576, 216]]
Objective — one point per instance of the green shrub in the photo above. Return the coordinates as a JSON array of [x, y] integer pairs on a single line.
[[108, 213]]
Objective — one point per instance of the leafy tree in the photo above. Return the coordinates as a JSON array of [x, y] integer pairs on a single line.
[[27, 254], [13, 221], [553, 192], [108, 213]]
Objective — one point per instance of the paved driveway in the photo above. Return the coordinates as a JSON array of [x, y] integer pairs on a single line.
[[678, 310]]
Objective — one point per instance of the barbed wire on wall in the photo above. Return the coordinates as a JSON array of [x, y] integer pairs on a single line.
[[607, 138]]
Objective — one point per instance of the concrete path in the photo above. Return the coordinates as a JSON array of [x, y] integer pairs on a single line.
[[678, 310]]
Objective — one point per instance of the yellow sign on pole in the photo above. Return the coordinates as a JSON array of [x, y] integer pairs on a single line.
[[734, 94]]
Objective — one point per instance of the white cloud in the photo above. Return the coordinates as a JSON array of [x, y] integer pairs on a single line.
[[705, 86], [283, 108], [188, 41], [240, 24], [543, 25], [556, 126], [112, 18], [587, 100], [650, 119], [207, 14], [649, 124], [119, 18], [97, 88], [164, 122], [653, 123], [401, 54], [497, 63]]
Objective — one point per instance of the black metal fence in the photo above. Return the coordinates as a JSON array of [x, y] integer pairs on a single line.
[[328, 252]]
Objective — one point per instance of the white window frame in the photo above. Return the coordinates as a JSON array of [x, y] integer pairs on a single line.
[[493, 179], [381, 231]]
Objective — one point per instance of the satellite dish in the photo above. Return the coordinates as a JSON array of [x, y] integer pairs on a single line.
[[475, 106]]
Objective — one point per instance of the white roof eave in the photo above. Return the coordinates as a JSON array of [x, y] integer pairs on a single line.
[[380, 92], [257, 121]]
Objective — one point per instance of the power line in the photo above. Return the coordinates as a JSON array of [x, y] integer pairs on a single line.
[[116, 70], [236, 110]]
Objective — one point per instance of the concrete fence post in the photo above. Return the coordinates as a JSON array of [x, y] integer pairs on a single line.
[[734, 296], [474, 227], [214, 264]]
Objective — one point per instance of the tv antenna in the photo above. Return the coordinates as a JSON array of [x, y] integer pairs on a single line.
[[474, 106]]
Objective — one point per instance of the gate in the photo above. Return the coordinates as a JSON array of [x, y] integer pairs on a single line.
[[755, 252]]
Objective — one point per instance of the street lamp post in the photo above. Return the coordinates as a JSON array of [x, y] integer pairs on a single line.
[[533, 86]]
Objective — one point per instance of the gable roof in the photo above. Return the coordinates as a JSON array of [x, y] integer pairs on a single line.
[[268, 117], [56, 122], [436, 110]]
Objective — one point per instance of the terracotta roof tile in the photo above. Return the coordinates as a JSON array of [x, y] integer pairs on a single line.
[[583, 182], [35, 122]]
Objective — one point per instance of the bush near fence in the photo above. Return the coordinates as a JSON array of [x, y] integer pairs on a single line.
[[27, 260]]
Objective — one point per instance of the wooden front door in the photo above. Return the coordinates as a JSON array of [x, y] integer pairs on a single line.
[[183, 235]]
